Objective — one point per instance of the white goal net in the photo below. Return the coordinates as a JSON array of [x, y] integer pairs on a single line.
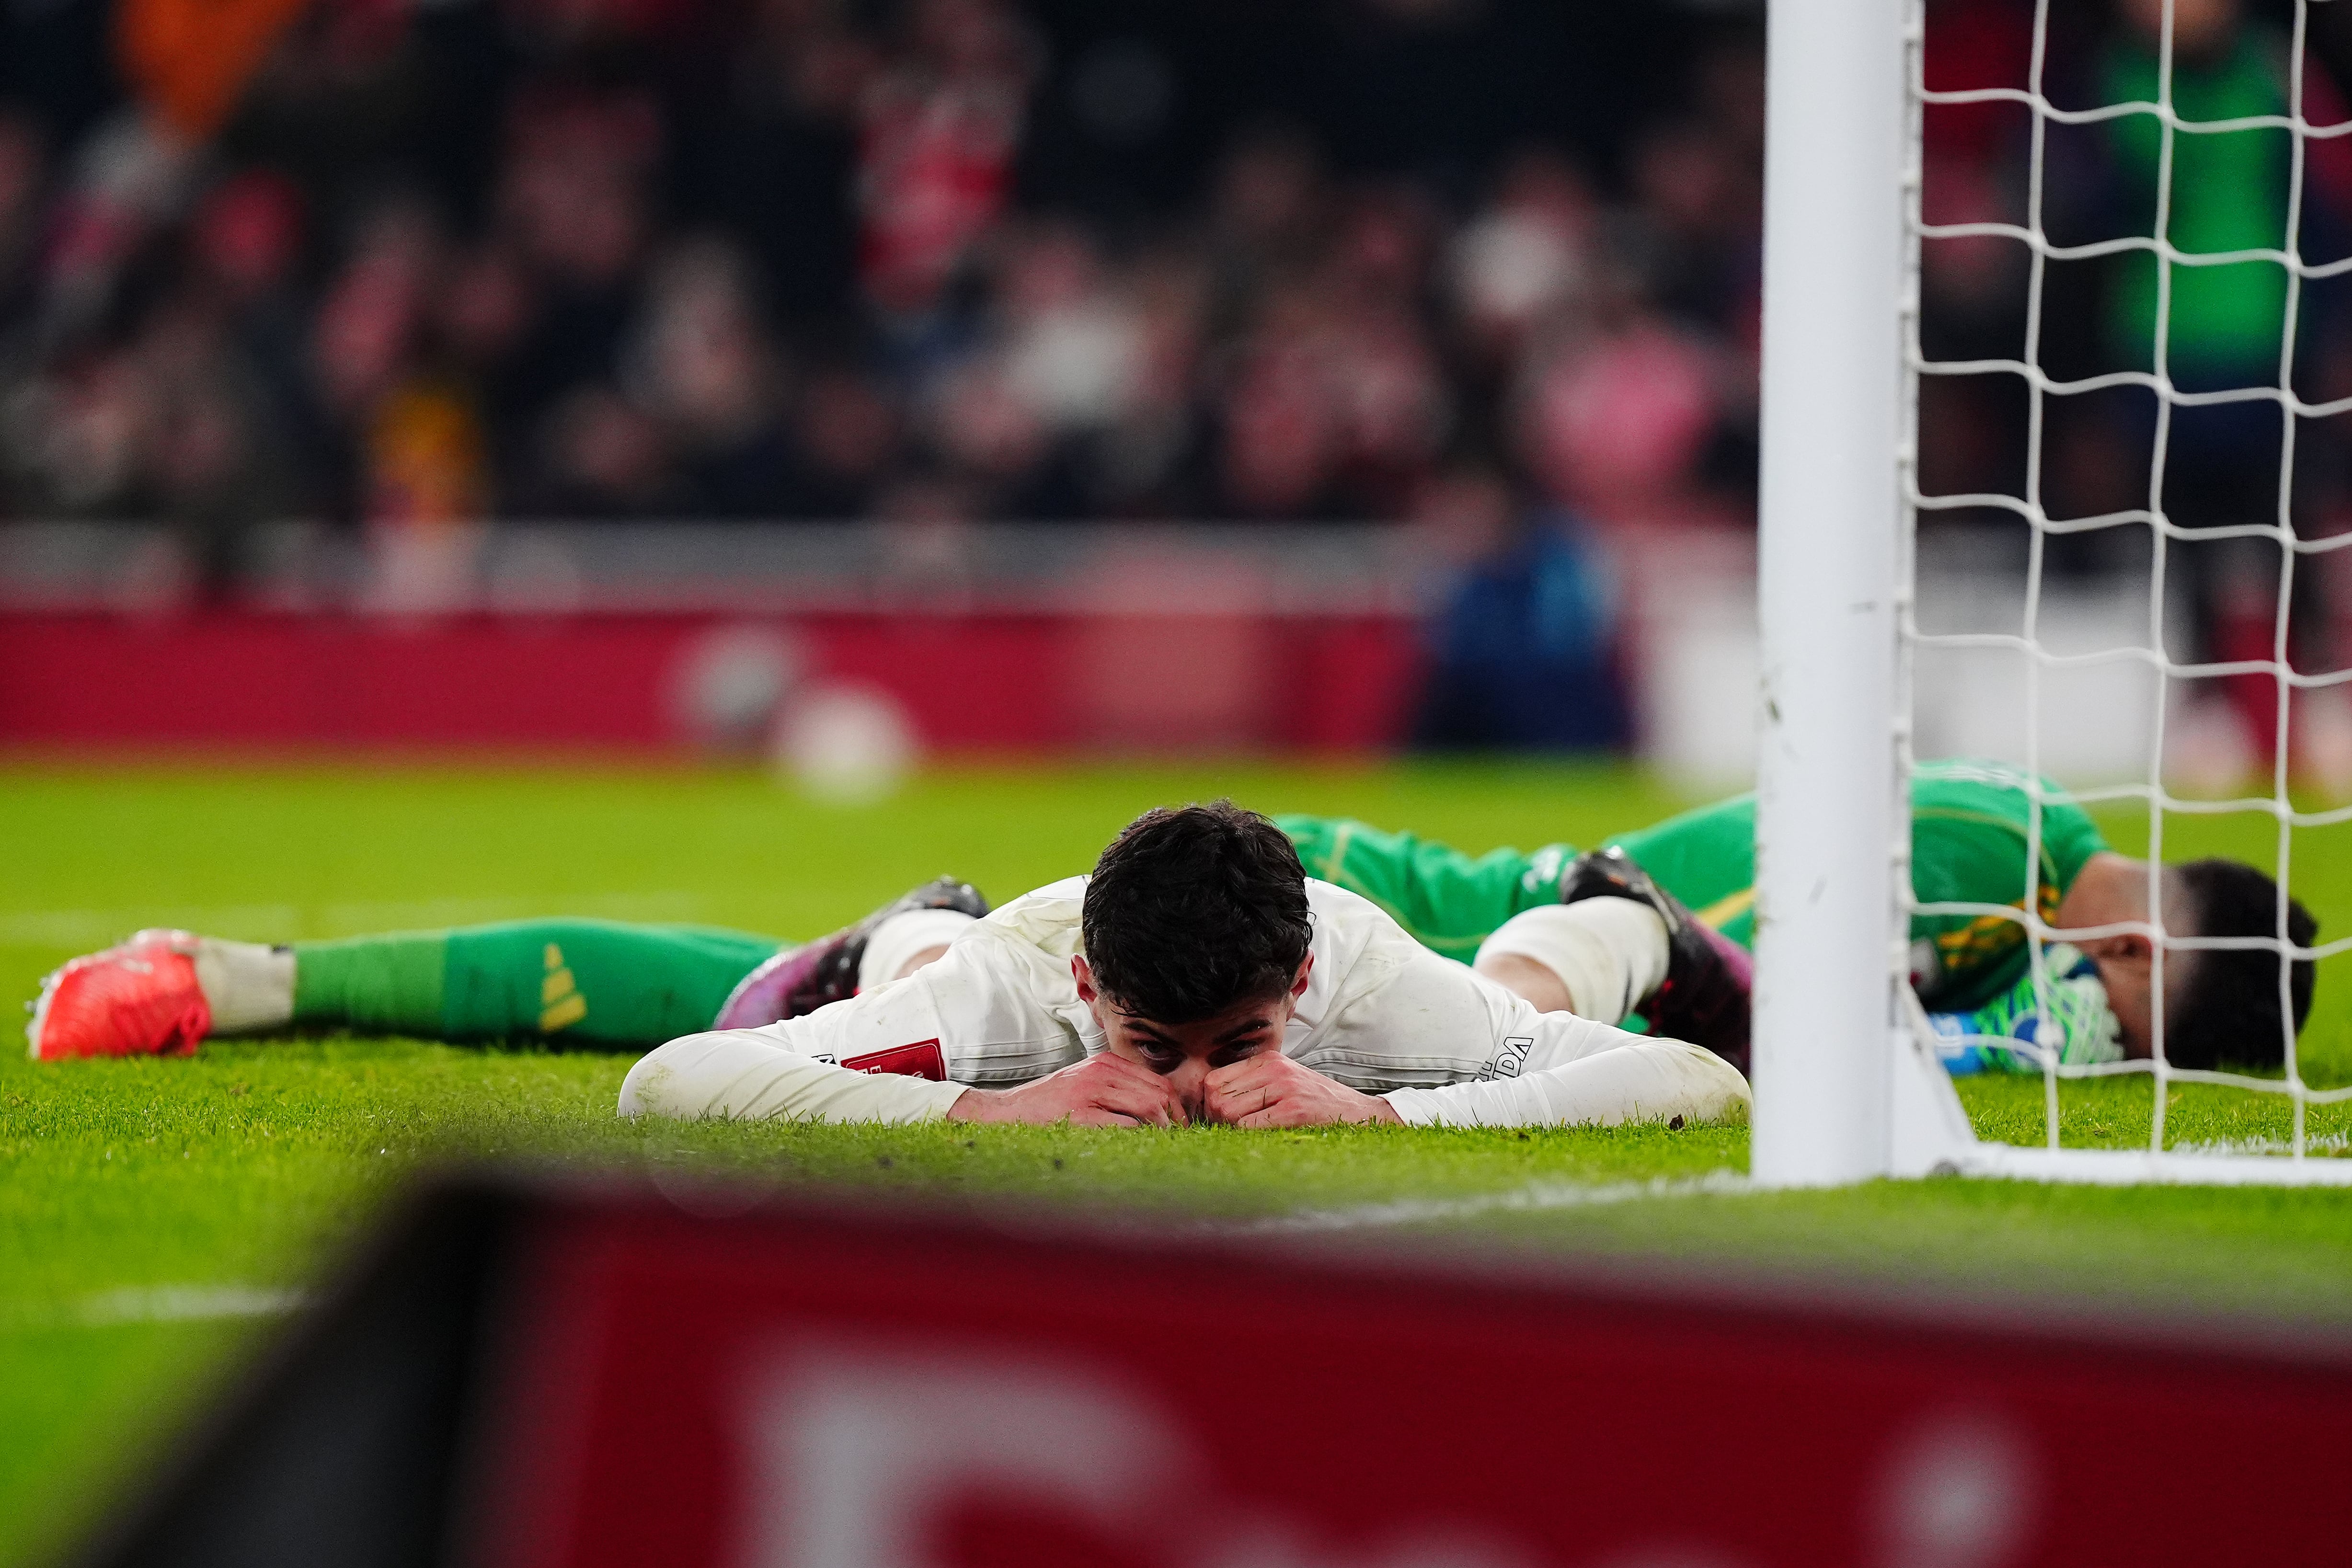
[[2052, 351]]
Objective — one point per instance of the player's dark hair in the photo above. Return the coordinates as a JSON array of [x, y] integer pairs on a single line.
[[1194, 910], [2228, 1009]]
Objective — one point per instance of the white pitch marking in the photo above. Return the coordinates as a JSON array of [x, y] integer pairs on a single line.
[[2329, 1144], [94, 929], [180, 1304], [1534, 1197]]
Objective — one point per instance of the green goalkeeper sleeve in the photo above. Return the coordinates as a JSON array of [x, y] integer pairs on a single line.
[[597, 982]]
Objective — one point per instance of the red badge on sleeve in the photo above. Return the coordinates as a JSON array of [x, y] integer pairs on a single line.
[[921, 1059]]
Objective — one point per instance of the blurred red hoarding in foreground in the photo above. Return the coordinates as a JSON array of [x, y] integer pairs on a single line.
[[809, 1386], [814, 1394]]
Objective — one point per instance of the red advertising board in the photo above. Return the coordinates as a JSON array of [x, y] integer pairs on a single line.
[[973, 681], [810, 1391], [577, 1377]]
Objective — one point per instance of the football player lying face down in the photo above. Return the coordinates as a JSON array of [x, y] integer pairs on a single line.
[[1196, 934]]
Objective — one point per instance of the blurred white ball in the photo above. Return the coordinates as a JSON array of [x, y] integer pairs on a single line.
[[846, 742]]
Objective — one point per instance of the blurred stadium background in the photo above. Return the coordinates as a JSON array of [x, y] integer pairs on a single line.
[[603, 372], [855, 382]]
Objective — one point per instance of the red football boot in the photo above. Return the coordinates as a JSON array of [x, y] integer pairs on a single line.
[[136, 999]]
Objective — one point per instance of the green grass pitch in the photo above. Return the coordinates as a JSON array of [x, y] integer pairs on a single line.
[[150, 1212]]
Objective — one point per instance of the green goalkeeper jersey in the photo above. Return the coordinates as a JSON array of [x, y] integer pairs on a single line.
[[1969, 826]]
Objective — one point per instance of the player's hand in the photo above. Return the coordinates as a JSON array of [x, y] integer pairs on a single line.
[[1270, 1089], [1104, 1090]]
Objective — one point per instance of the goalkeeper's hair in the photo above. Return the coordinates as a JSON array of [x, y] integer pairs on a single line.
[[1195, 910], [2228, 1008]]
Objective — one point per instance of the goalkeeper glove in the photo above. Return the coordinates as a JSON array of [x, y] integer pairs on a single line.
[[2070, 1015]]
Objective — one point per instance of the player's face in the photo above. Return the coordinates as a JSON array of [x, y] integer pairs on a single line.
[[2111, 890], [2124, 974], [1186, 1053]]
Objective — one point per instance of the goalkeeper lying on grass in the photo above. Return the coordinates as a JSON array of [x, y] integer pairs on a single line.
[[1592, 935], [1519, 919]]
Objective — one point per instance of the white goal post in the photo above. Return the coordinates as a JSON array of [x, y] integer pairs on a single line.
[[1846, 1088]]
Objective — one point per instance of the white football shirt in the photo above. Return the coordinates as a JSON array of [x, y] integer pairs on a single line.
[[1381, 1013]]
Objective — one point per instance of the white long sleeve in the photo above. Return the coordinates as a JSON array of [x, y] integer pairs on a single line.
[[740, 1075], [1639, 1080], [988, 1013], [1450, 1048]]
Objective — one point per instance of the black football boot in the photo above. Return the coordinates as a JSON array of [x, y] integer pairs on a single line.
[[1703, 998]]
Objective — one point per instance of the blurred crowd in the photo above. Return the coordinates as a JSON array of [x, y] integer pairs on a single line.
[[638, 258], [1487, 265]]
